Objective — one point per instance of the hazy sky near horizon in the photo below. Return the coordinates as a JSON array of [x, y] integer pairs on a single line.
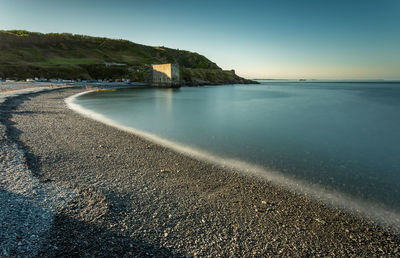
[[330, 39]]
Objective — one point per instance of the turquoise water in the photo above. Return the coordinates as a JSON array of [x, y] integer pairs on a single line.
[[341, 136]]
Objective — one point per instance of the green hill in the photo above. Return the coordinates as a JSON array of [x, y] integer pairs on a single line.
[[26, 54]]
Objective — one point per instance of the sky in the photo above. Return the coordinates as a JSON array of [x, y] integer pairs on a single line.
[[322, 39]]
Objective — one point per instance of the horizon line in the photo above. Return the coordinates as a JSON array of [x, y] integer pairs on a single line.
[[340, 79]]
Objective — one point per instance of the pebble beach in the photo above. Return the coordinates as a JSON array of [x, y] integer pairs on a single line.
[[71, 186]]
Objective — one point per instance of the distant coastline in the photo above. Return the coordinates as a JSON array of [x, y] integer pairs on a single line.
[[334, 80]]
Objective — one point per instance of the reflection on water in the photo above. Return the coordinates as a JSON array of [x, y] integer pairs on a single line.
[[163, 98], [344, 136]]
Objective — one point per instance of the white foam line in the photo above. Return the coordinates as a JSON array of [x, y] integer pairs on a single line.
[[373, 211]]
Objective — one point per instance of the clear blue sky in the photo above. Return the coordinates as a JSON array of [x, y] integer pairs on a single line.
[[259, 39]]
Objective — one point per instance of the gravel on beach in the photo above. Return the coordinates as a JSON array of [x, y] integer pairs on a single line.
[[116, 194], [24, 86], [27, 206]]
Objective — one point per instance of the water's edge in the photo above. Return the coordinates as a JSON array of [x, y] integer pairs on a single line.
[[375, 212]]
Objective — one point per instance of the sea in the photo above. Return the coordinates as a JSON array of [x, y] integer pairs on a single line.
[[337, 141]]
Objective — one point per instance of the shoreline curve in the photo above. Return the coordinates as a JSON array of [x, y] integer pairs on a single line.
[[377, 213]]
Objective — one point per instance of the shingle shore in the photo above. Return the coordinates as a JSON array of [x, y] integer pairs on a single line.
[[27, 206], [133, 197]]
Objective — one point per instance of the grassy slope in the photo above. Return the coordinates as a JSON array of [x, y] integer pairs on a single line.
[[26, 54]]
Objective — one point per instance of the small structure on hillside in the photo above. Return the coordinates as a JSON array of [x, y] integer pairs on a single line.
[[108, 64], [165, 75]]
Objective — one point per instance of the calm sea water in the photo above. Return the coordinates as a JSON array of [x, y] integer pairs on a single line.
[[341, 136]]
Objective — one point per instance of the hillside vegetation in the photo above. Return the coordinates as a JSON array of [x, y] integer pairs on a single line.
[[26, 54]]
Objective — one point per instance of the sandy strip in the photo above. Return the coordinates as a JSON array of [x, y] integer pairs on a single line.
[[134, 197]]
